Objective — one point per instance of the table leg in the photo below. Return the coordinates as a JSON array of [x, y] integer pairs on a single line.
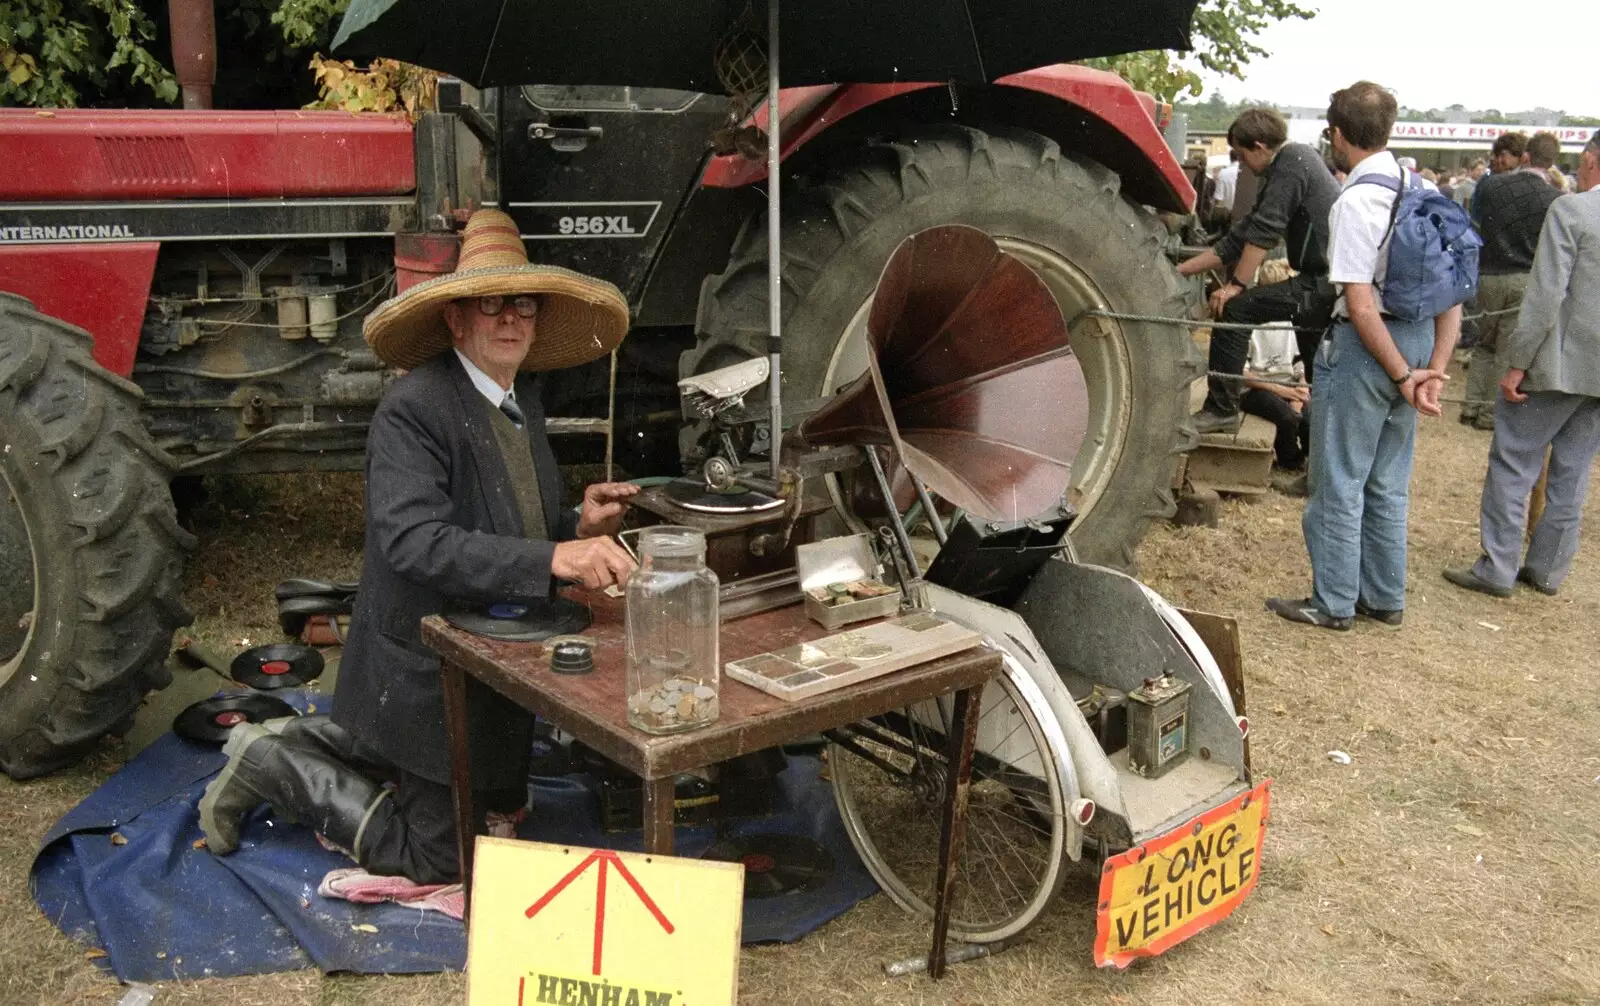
[[454, 683], [963, 739], [659, 813]]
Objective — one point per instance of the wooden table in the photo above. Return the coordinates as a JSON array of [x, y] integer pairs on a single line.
[[591, 707]]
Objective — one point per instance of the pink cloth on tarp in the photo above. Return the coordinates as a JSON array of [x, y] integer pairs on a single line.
[[357, 885], [352, 883]]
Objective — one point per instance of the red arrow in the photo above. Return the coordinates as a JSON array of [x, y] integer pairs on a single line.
[[604, 857]]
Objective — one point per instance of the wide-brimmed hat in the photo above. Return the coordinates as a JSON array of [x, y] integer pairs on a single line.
[[580, 318]]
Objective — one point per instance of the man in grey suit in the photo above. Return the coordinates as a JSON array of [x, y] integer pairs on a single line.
[[463, 509], [1550, 397]]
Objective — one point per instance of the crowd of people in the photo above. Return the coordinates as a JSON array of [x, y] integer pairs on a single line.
[[1533, 376]]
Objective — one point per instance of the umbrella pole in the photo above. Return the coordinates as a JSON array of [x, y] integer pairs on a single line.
[[774, 240]]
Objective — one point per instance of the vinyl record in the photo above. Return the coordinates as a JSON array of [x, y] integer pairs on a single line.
[[776, 864], [209, 720], [276, 665], [523, 623], [693, 494]]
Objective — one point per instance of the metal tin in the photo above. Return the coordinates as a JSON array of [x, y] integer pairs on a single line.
[[1158, 725], [840, 560]]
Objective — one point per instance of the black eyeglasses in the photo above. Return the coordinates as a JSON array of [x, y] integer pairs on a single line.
[[1327, 133], [527, 305]]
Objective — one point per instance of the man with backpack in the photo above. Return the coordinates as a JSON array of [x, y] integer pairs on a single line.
[[1550, 398], [1509, 210], [1292, 208], [1404, 259]]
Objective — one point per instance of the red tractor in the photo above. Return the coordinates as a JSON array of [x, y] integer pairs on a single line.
[[181, 293]]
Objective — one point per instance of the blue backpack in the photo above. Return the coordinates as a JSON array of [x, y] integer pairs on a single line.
[[1433, 251]]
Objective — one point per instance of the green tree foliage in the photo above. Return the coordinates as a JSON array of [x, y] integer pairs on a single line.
[[59, 52], [1224, 42], [1216, 113], [309, 24], [62, 53]]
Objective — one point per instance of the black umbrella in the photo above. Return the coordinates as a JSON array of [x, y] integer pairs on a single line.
[[675, 43], [732, 47]]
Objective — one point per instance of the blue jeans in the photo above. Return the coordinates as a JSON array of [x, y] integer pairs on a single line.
[[1362, 437]]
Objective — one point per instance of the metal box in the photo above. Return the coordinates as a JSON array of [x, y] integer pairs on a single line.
[[1158, 725], [841, 560]]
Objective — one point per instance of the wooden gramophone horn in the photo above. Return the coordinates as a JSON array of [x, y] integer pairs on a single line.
[[969, 377]]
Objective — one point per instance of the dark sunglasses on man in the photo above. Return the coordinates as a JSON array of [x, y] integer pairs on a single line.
[[527, 306]]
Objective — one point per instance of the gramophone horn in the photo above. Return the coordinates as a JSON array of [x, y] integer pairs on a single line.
[[969, 377]]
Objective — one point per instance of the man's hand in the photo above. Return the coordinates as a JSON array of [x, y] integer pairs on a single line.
[[1511, 386], [1220, 298], [1421, 391], [1291, 393], [593, 562], [603, 506]]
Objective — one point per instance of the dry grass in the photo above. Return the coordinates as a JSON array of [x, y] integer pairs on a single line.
[[1453, 861]]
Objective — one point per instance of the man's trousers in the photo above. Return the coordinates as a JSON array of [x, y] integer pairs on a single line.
[[1569, 425], [1501, 294], [1362, 439], [1307, 301]]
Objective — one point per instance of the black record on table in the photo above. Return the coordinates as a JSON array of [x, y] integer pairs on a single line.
[[276, 665], [776, 864], [209, 720], [523, 623]]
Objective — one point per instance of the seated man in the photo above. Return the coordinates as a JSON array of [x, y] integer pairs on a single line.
[[463, 506], [1296, 193], [1272, 391]]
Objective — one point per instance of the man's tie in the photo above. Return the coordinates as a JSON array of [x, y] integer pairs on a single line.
[[509, 406]]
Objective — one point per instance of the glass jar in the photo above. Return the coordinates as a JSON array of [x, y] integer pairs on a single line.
[[672, 633]]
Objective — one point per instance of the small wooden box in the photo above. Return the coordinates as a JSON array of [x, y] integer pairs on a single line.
[[846, 658]]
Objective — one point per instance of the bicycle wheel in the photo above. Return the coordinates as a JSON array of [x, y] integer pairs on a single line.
[[889, 780]]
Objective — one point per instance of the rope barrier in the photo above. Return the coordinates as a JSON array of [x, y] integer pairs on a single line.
[[1238, 326], [1294, 382]]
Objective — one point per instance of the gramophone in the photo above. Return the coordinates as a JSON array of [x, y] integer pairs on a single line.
[[971, 395]]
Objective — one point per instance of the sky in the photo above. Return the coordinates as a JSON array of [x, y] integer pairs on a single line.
[[1432, 55]]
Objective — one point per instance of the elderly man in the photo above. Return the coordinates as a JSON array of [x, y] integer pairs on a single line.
[[462, 510], [1550, 397]]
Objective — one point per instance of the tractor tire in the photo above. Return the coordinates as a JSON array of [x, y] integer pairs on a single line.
[[91, 554], [1064, 216]]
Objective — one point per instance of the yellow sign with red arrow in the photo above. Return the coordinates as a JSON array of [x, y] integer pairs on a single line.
[[563, 926]]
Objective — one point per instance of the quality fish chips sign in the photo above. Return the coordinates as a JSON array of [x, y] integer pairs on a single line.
[[1159, 894]]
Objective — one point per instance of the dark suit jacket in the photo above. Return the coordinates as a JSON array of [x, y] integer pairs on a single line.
[[442, 526]]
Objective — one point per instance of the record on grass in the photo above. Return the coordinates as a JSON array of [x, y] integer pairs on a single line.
[[276, 665], [523, 623], [209, 720], [776, 864]]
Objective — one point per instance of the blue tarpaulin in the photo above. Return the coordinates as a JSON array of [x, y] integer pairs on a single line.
[[162, 909]]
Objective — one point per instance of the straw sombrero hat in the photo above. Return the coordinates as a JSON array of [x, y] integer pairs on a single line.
[[580, 318]]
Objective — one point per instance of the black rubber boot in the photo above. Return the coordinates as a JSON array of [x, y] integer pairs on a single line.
[[301, 783], [318, 732]]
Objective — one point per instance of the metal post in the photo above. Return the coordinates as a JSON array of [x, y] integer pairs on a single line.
[[774, 240], [896, 523], [927, 508], [611, 416]]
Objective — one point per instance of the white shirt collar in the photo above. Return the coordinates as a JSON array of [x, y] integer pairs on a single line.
[[486, 385], [1382, 162]]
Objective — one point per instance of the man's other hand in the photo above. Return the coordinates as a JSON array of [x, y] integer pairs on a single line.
[[603, 506], [594, 562], [1220, 298], [1421, 391], [1511, 386]]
